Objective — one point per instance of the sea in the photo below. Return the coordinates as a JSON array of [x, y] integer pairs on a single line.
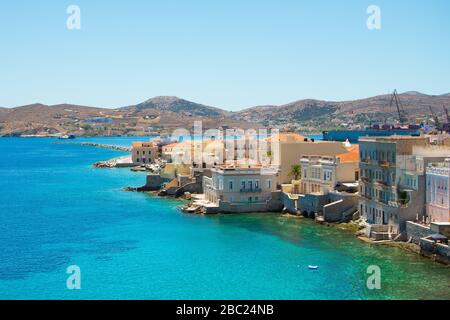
[[57, 212]]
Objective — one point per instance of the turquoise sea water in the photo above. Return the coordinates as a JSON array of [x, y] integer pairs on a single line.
[[56, 211]]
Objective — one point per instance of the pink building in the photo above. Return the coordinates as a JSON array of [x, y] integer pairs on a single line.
[[438, 196]]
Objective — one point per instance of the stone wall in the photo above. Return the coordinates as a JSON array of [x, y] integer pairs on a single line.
[[154, 182], [273, 205], [341, 208], [415, 231], [437, 251], [290, 202], [193, 187], [313, 203]]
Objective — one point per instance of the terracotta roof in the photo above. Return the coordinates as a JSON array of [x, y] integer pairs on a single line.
[[352, 155], [286, 137], [178, 144]]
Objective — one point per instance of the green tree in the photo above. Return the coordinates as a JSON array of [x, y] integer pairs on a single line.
[[296, 171]]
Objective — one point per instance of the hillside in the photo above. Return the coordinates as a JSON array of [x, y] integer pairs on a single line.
[[177, 105], [415, 104], [164, 114], [160, 114]]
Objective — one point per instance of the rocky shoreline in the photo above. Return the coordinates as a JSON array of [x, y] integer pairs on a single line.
[[99, 145]]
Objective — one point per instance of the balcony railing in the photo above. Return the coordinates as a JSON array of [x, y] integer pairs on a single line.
[[383, 163], [383, 183], [250, 190], [366, 196]]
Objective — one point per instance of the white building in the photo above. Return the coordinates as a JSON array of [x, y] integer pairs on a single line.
[[239, 189]]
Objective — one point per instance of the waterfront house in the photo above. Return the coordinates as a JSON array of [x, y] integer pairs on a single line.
[[144, 152], [327, 186], [392, 181], [232, 189], [288, 153], [321, 174]]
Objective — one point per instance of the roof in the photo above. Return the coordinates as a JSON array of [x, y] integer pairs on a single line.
[[352, 154], [286, 137], [139, 144], [178, 144]]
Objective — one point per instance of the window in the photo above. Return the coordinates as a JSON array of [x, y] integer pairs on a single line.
[[143, 151], [269, 184], [256, 184], [137, 160], [230, 185], [243, 184]]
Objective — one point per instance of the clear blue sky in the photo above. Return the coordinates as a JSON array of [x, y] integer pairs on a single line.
[[228, 53]]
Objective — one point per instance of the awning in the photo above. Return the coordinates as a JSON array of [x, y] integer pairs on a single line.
[[438, 237]]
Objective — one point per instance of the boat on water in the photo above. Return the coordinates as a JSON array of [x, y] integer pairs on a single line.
[[67, 137], [313, 267]]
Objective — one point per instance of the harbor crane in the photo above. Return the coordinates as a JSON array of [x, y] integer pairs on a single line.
[[435, 119], [400, 110], [447, 114]]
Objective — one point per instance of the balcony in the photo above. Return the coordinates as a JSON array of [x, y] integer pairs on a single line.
[[383, 183], [383, 163], [366, 196], [250, 190]]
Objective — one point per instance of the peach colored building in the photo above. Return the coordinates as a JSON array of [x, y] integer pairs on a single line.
[[144, 152]]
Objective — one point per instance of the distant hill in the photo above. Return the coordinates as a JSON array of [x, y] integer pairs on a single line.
[[414, 93], [160, 114], [43, 119], [164, 114], [415, 104], [176, 105], [301, 110]]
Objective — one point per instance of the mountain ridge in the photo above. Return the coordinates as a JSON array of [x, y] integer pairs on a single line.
[[164, 113]]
